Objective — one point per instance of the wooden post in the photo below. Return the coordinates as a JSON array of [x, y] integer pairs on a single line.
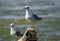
[[29, 35]]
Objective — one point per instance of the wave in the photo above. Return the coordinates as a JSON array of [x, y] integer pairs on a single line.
[[32, 7]]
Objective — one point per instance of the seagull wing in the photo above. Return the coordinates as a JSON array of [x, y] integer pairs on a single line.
[[18, 33], [36, 17]]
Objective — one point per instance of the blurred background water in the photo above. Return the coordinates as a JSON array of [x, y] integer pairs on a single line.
[[48, 29]]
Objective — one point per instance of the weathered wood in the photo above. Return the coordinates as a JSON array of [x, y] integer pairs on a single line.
[[29, 35]]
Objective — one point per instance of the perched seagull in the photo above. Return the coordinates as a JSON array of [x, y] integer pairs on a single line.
[[30, 17], [13, 32]]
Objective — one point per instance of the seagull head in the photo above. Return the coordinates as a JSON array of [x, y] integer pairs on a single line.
[[12, 25], [26, 8]]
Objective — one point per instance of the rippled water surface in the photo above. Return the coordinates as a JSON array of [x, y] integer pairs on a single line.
[[49, 27]]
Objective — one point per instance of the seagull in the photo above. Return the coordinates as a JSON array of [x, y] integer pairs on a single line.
[[13, 32], [30, 17]]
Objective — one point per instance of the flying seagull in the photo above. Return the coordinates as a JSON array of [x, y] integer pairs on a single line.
[[13, 32], [30, 17]]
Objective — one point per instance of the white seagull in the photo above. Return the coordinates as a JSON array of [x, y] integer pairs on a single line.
[[13, 32], [30, 17]]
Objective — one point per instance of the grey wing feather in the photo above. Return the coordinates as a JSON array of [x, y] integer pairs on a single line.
[[36, 17], [18, 33]]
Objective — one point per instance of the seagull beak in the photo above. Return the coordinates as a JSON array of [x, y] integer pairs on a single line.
[[24, 8]]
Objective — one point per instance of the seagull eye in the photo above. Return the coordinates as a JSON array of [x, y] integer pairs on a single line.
[[28, 8]]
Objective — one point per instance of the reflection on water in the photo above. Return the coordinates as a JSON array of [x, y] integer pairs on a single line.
[[48, 29]]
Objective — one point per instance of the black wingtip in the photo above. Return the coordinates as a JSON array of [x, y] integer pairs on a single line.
[[18, 33], [40, 18]]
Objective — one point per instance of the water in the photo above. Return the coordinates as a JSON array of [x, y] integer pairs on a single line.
[[48, 29]]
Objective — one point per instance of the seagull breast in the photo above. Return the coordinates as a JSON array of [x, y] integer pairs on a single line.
[[29, 17], [12, 31]]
